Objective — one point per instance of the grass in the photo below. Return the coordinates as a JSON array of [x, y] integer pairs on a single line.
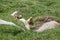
[[28, 8]]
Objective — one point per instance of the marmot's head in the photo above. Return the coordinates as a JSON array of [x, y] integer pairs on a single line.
[[47, 19]]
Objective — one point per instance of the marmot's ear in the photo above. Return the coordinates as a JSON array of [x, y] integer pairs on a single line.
[[30, 20]]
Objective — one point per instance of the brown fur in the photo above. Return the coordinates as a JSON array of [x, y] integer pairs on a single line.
[[42, 21]]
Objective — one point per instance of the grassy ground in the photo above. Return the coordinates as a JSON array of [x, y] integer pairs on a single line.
[[28, 8]]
